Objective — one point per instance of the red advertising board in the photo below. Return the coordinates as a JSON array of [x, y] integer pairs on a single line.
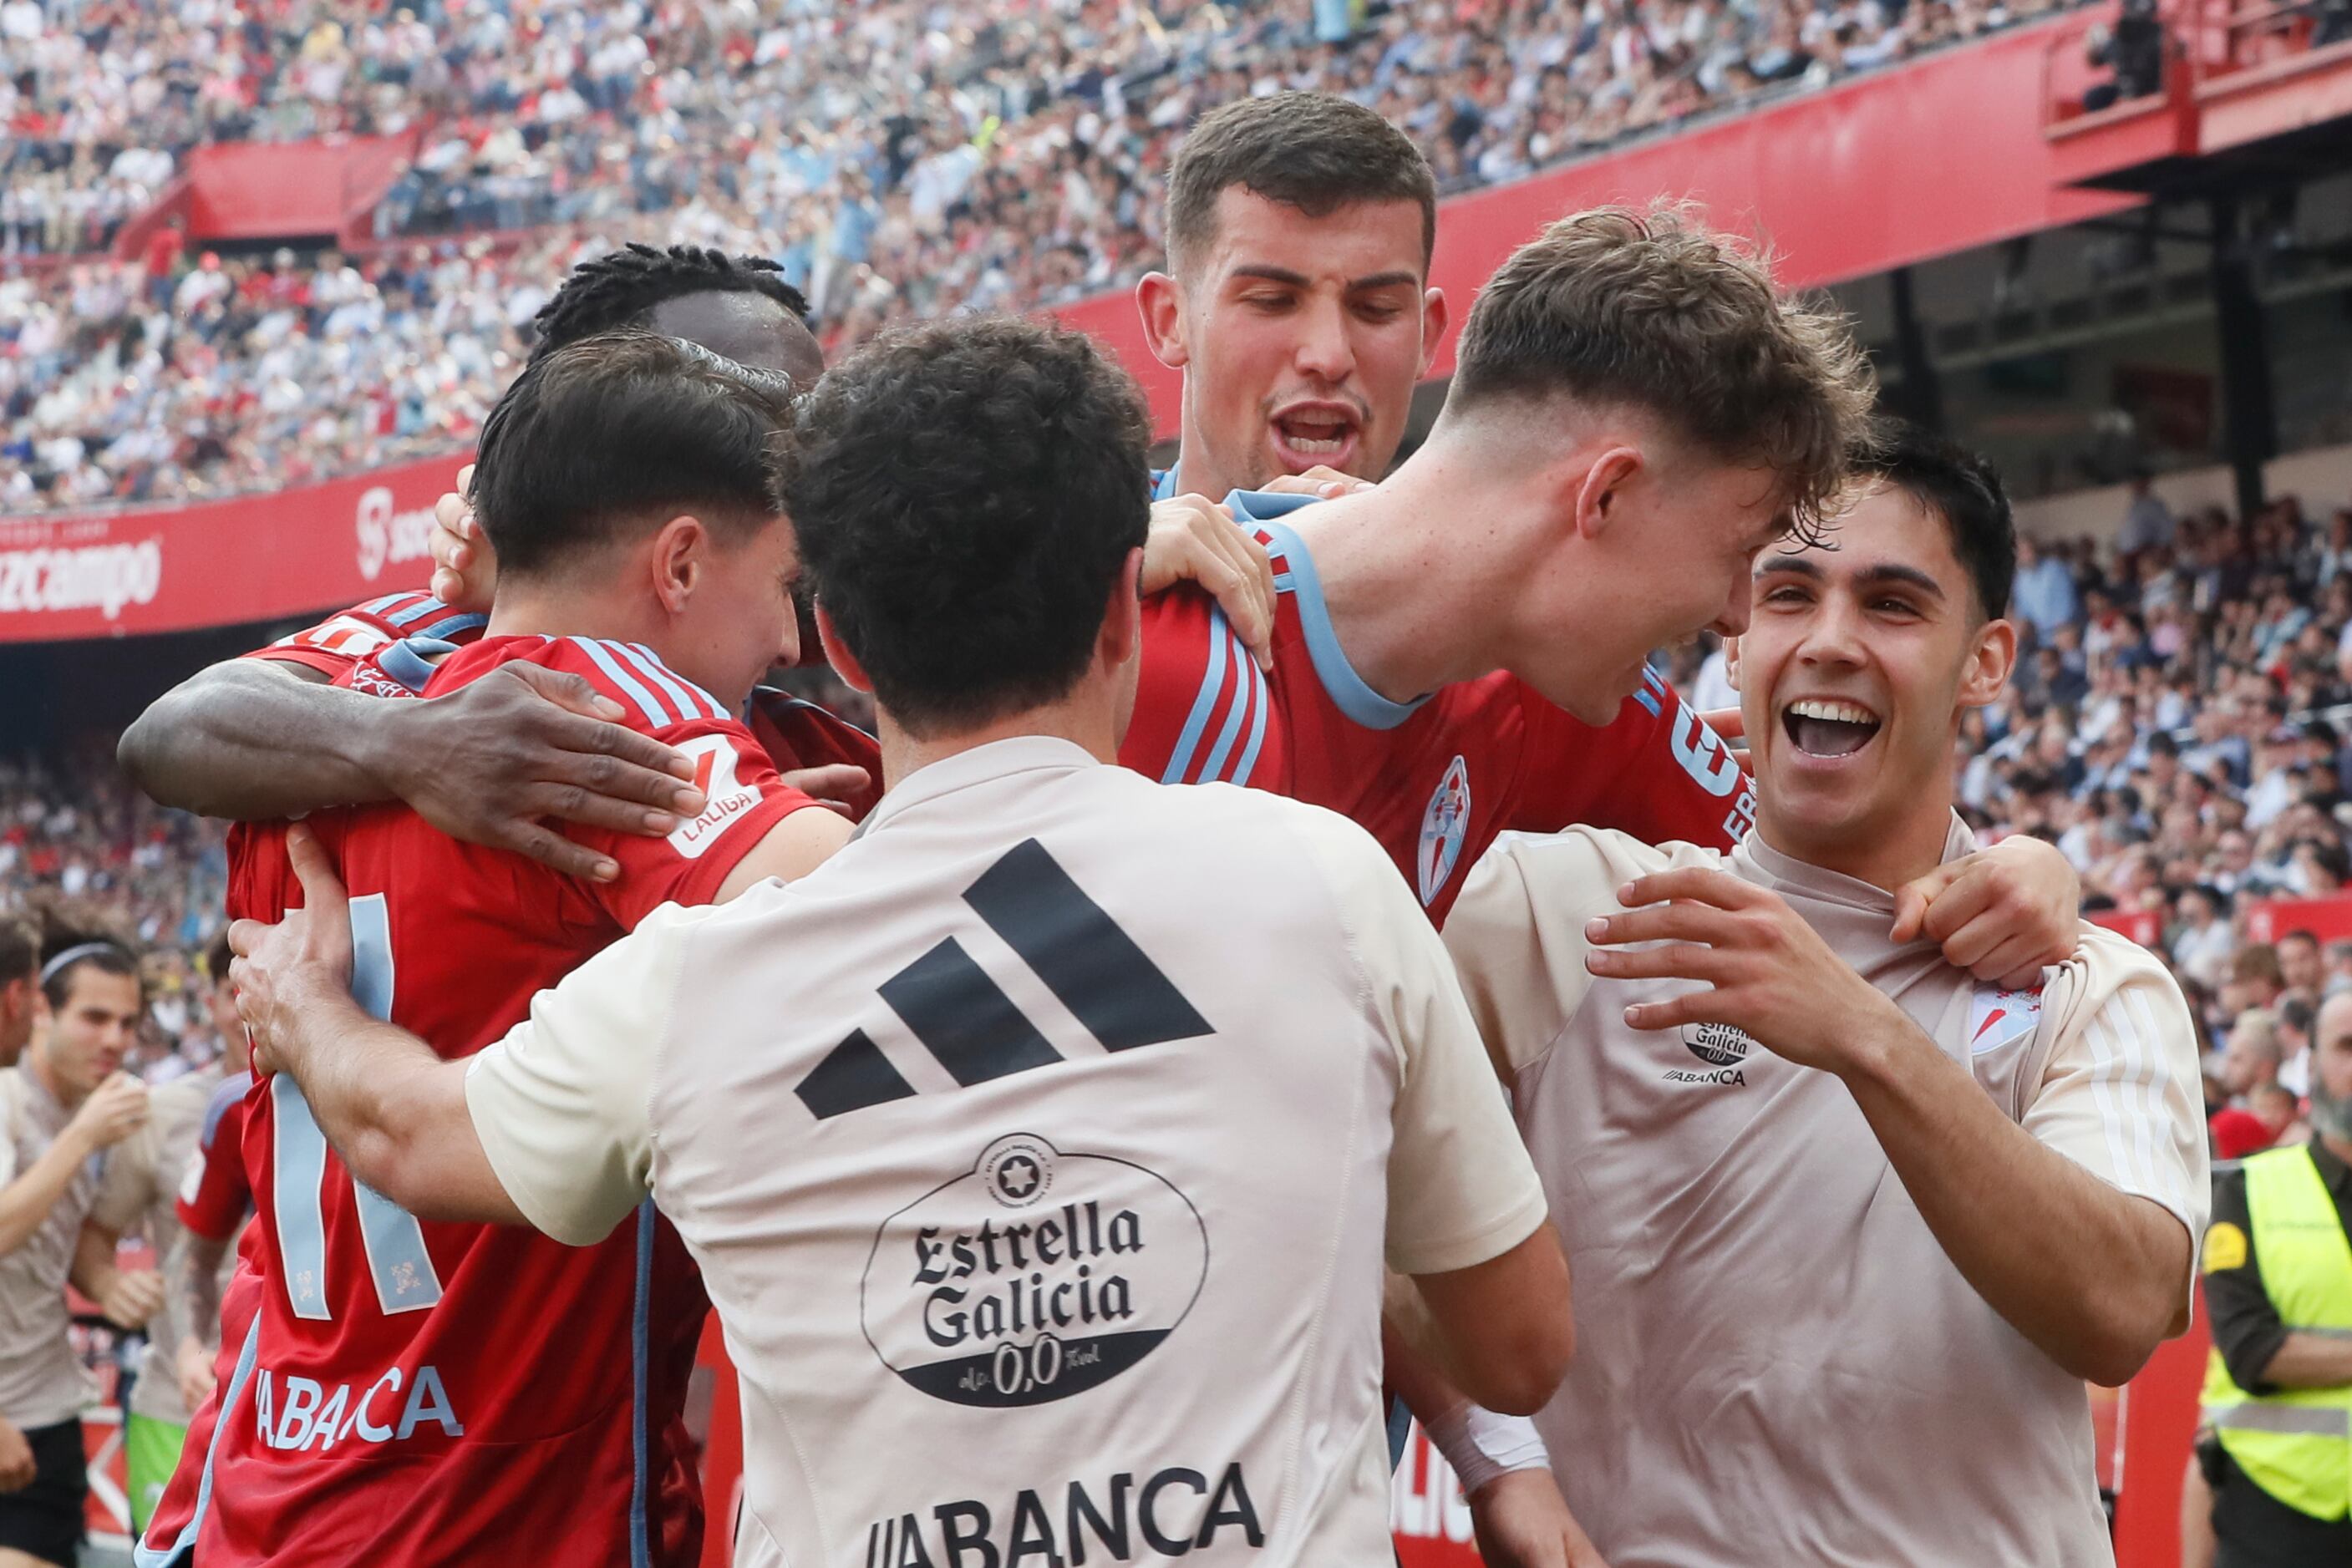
[[220, 563]]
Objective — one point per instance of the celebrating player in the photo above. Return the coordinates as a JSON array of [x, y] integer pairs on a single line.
[[393, 1395], [1850, 1228], [1040, 1226]]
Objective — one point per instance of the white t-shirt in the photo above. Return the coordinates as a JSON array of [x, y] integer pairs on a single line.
[[1042, 1153], [1777, 1363]]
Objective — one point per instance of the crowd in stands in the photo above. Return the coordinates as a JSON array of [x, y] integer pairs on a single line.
[[901, 158]]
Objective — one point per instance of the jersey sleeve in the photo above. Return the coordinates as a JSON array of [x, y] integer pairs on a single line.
[[1196, 688], [1657, 772], [213, 1199], [339, 642], [2121, 1093], [561, 1103], [1460, 1187]]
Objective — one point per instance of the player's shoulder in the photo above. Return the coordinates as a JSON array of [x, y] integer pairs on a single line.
[[184, 1098], [367, 628], [1577, 855], [2108, 970], [651, 695], [226, 1097]]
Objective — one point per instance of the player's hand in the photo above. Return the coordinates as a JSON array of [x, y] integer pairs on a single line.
[[1522, 1522], [833, 786], [17, 1468], [192, 1368], [136, 1295], [465, 572], [1321, 480], [115, 1109], [1195, 539], [280, 970], [2004, 914], [492, 760], [1769, 973]]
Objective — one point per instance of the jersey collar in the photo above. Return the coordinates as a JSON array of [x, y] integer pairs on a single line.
[[980, 764], [1835, 887], [1349, 691]]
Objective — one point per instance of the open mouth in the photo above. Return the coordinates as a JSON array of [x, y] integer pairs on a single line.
[[1320, 433], [1825, 727]]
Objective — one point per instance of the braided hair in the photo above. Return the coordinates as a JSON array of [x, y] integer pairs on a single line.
[[623, 287]]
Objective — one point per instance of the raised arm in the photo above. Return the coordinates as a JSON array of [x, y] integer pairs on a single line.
[[257, 739]]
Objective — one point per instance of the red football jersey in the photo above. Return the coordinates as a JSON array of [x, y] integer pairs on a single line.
[[414, 1392], [1435, 781], [213, 1199], [340, 641]]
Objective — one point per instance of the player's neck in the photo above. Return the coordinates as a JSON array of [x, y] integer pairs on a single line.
[[1886, 858], [1403, 594], [561, 609], [36, 1063], [1086, 719]]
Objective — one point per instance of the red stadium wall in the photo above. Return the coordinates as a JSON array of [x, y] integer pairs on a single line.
[[263, 190], [220, 564]]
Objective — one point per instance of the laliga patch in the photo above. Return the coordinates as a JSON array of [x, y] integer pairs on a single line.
[[1035, 1275], [1444, 825], [714, 774], [1997, 1017], [2225, 1247]]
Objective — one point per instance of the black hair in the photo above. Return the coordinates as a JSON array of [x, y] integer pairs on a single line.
[[607, 431], [71, 941], [20, 949], [1315, 151], [966, 493], [625, 286], [1962, 489]]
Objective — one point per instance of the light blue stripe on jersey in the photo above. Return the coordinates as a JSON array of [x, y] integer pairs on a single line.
[[378, 606], [301, 1161], [647, 703], [409, 661], [1163, 484], [1346, 688], [640, 1356], [1212, 682], [418, 612], [1248, 764], [1250, 695], [453, 624], [683, 692], [183, 1550]]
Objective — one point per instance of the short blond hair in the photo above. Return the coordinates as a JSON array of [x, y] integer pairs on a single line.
[[1653, 308]]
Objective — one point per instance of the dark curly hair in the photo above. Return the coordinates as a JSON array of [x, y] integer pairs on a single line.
[[1959, 487], [623, 287], [966, 493]]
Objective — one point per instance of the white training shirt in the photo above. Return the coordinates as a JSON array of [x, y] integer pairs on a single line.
[[1776, 1361], [1042, 1153]]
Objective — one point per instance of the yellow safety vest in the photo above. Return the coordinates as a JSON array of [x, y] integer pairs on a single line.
[[2295, 1444]]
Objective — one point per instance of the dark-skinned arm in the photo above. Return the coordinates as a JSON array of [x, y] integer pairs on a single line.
[[493, 762]]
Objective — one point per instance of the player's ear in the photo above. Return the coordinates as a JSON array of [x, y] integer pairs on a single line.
[[1731, 661], [837, 653], [1122, 627], [1597, 497], [1433, 316], [679, 561], [1159, 300], [1989, 663]]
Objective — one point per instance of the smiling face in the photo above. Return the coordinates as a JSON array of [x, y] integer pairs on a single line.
[[1856, 665], [1300, 337]]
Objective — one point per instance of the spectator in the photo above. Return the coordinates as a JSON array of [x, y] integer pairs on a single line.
[[2148, 521], [2045, 595]]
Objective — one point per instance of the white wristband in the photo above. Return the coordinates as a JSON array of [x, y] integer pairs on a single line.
[[1481, 1445]]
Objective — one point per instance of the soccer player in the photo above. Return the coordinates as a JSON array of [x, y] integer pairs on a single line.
[[1849, 1227], [1043, 1150], [20, 987], [393, 1394], [68, 1178]]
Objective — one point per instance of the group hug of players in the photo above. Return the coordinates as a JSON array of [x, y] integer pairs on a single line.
[[1080, 1168]]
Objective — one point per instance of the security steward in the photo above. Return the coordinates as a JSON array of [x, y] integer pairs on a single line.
[[2278, 1288]]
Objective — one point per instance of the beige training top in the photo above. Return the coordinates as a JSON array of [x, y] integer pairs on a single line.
[[1776, 1362], [1041, 1153], [167, 1146], [41, 1380]]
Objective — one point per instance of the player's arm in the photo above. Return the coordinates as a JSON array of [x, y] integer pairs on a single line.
[[114, 1110], [2092, 1272], [192, 1284], [1467, 1219], [256, 739], [127, 1297]]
